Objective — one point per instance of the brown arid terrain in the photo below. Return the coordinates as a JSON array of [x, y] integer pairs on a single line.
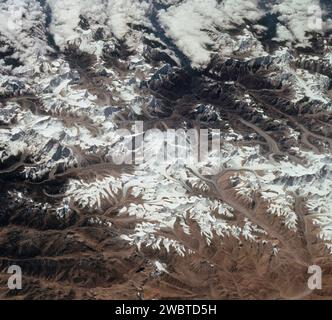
[[246, 219], [79, 260]]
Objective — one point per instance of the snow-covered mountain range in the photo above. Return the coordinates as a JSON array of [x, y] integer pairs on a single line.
[[72, 73]]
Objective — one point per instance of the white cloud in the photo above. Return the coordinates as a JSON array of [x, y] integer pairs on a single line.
[[297, 18], [187, 23], [123, 12], [114, 16], [65, 18], [17, 19]]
